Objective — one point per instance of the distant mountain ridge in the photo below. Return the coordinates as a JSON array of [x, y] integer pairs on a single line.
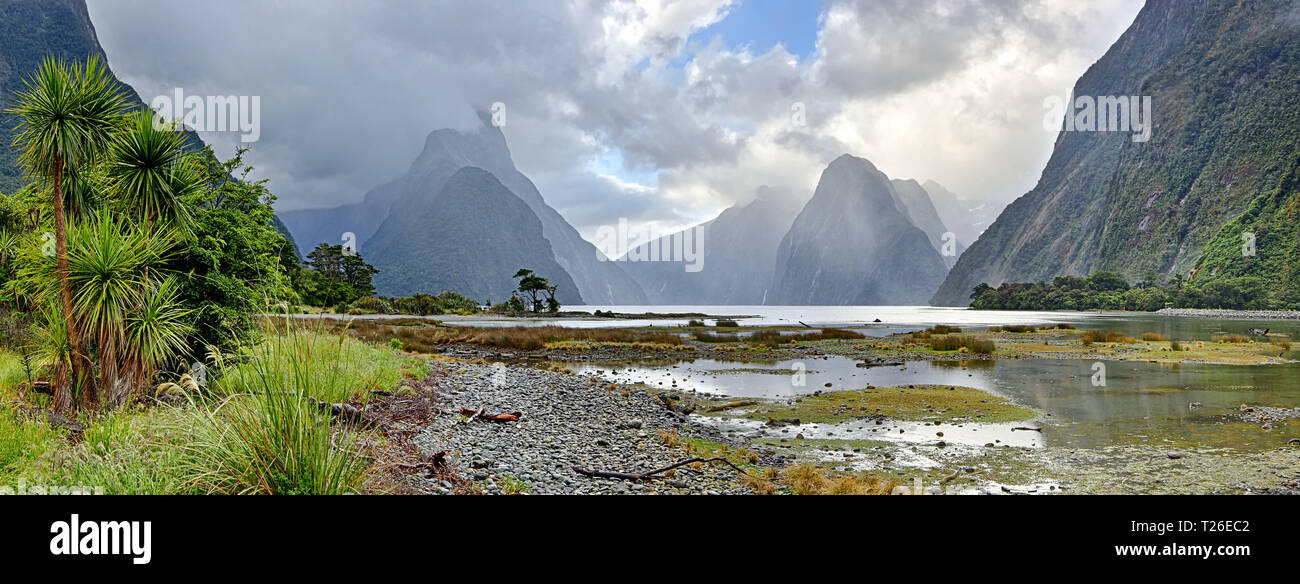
[[738, 255], [383, 220]]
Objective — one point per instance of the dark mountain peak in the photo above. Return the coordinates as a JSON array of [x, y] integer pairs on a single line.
[[855, 243]]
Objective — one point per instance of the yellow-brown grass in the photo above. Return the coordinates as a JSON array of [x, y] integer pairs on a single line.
[[807, 479], [1150, 336], [423, 336], [1090, 337]]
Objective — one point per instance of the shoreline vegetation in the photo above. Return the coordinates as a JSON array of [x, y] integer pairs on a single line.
[[1110, 291], [406, 379]]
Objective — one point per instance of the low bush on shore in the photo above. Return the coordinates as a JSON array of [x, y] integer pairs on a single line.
[[955, 342], [775, 339], [1013, 328], [1090, 337]]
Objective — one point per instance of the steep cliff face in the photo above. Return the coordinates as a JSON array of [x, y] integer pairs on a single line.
[[855, 244], [920, 209], [737, 255], [1224, 78], [470, 237], [33, 30]]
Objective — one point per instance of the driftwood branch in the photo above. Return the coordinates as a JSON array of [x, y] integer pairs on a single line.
[[346, 413], [38, 386], [1028, 428], [483, 415], [650, 474], [730, 405], [56, 420]]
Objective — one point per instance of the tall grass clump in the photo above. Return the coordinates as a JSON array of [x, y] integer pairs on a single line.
[[21, 440], [332, 368], [265, 436], [130, 451], [1019, 328], [1232, 338], [806, 479], [1090, 337], [1174, 345], [1150, 336], [972, 344]]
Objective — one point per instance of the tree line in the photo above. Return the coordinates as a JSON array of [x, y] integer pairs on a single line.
[[1110, 291]]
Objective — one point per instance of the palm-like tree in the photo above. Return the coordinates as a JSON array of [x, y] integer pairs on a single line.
[[67, 117], [136, 323], [150, 172]]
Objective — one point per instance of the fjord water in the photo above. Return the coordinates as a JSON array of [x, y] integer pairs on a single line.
[[896, 319], [1139, 401]]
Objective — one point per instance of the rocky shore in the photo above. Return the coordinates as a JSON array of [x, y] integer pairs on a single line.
[[1232, 314], [566, 421]]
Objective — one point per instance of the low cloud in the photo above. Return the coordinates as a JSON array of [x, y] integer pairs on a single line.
[[949, 90]]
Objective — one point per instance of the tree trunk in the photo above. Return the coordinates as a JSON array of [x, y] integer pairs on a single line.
[[63, 393]]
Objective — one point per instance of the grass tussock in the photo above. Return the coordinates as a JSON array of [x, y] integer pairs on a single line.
[[1232, 338], [964, 343], [1014, 328], [713, 338], [329, 367], [938, 329], [1090, 337], [776, 339], [1175, 345], [1154, 337], [807, 479], [265, 436], [424, 337]]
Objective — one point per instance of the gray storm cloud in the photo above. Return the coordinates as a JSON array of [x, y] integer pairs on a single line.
[[947, 90]]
